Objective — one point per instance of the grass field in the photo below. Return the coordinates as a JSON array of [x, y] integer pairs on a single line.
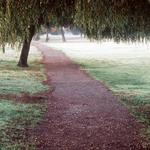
[[18, 117], [124, 68]]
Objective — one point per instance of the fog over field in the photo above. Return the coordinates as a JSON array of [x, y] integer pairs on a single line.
[[77, 47]]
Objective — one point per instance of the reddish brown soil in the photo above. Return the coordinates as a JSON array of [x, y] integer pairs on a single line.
[[82, 113]]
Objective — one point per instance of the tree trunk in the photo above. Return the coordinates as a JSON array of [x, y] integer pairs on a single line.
[[37, 37], [26, 47], [47, 36], [3, 47], [63, 35]]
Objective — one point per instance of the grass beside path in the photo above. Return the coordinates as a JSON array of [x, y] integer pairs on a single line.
[[17, 118], [127, 78]]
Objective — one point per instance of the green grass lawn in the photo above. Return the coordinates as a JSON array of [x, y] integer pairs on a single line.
[[128, 79], [16, 118]]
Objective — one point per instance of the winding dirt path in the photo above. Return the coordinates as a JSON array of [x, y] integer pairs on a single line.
[[82, 114]]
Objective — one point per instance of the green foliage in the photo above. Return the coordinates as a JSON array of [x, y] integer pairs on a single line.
[[17, 16], [126, 20], [99, 19]]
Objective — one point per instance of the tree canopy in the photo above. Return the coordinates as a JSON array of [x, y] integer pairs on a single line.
[[117, 19], [121, 20], [99, 19]]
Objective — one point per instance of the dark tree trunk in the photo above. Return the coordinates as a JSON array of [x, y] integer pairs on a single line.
[[63, 35], [26, 47], [3, 47], [47, 36]]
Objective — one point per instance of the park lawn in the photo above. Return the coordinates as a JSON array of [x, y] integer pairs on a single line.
[[18, 118], [127, 78]]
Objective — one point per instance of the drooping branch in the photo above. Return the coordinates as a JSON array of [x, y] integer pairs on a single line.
[[99, 19], [121, 20]]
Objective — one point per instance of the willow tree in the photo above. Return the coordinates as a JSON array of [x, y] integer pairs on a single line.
[[18, 23], [121, 20]]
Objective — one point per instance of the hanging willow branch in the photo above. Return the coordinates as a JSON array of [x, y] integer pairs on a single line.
[[126, 20], [114, 19]]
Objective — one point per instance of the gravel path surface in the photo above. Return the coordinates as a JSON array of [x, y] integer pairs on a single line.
[[82, 113]]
